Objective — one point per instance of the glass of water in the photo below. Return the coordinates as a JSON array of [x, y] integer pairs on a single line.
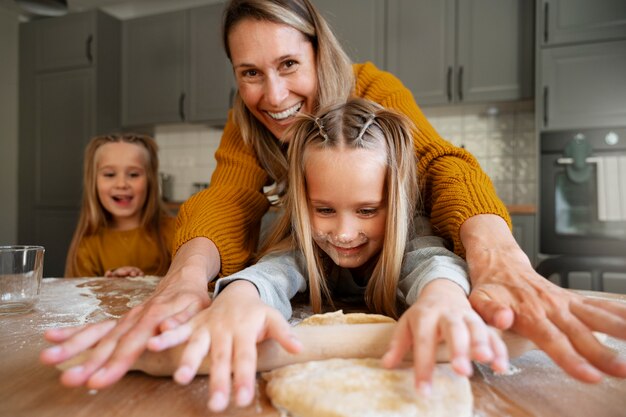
[[21, 268]]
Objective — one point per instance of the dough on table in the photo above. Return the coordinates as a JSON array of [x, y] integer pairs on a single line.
[[362, 387]]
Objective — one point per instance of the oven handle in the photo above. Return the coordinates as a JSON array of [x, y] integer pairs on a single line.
[[570, 161]]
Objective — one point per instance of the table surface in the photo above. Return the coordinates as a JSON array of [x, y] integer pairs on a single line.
[[534, 387]]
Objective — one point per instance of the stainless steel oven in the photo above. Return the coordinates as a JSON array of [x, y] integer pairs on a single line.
[[582, 221]]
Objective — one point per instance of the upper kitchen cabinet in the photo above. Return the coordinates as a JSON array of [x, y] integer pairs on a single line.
[[359, 26], [583, 86], [457, 51], [69, 91], [174, 68], [153, 69], [574, 21], [581, 71]]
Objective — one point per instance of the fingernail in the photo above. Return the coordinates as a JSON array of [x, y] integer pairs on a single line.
[[501, 365], [182, 375], [54, 350], [243, 397], [76, 369], [589, 370], [484, 353], [462, 365], [424, 388], [218, 402], [101, 373]]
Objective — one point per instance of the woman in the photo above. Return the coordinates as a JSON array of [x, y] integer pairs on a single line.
[[286, 61]]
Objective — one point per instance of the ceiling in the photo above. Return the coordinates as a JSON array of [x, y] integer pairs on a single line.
[[122, 9]]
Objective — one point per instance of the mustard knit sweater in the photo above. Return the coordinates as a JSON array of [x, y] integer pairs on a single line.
[[452, 184], [110, 249]]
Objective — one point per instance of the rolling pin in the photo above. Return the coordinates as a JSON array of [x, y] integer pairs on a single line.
[[318, 343]]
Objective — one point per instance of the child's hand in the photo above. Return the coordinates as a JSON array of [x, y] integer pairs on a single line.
[[228, 332], [124, 271], [443, 312]]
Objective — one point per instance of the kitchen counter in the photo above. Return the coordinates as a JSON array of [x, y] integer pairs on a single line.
[[534, 387]]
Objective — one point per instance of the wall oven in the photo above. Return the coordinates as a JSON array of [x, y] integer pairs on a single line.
[[582, 221]]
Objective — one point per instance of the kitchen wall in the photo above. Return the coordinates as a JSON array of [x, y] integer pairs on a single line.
[[502, 137], [8, 126], [503, 140], [186, 155]]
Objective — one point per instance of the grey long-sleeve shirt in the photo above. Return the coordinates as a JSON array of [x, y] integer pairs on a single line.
[[278, 277]]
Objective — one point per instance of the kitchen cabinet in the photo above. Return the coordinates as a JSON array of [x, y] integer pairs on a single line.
[[174, 68], [524, 233], [359, 26], [455, 51], [583, 86], [69, 92], [573, 21]]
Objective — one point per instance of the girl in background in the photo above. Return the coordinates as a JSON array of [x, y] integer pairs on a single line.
[[123, 229], [349, 229]]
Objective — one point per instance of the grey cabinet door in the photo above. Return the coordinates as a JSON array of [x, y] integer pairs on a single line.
[[153, 69], [584, 86], [64, 117], [524, 233], [452, 51], [494, 51], [65, 43], [360, 27], [421, 47], [211, 82], [571, 21]]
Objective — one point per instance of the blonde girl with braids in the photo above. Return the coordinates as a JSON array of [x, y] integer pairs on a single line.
[[123, 228], [286, 62], [349, 230]]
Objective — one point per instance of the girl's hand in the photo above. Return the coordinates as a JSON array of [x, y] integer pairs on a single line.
[[124, 271], [228, 332], [442, 312], [117, 344]]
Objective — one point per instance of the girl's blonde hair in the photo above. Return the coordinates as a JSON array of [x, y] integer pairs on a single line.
[[355, 124], [93, 215], [335, 78]]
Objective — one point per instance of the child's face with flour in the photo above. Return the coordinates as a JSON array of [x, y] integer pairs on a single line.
[[121, 182], [347, 203]]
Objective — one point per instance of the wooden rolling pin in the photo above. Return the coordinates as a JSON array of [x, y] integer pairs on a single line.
[[318, 342]]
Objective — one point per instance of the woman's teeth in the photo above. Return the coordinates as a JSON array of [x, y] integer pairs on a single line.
[[285, 114]]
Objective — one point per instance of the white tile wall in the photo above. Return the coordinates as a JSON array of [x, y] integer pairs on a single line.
[[186, 153], [502, 137]]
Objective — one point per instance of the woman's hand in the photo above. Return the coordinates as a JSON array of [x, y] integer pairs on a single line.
[[117, 344], [508, 293], [443, 312], [124, 271], [227, 333]]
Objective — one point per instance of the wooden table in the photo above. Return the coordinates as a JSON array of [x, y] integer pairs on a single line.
[[536, 387]]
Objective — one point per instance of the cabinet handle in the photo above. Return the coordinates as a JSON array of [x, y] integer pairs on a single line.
[[460, 83], [545, 106], [88, 48], [181, 106], [449, 84], [546, 8]]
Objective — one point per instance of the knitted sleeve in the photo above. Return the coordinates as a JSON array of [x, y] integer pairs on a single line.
[[453, 186], [230, 210]]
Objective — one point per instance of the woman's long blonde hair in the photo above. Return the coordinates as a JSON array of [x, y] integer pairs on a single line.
[[355, 124], [94, 217], [335, 78]]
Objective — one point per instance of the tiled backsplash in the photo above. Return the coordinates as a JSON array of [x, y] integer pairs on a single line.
[[186, 154], [502, 138]]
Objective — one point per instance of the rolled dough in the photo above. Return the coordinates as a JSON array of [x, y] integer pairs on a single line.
[[361, 387]]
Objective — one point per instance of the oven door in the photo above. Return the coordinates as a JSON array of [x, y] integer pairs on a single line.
[[583, 193]]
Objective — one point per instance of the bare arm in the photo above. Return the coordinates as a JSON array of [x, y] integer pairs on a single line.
[[508, 293]]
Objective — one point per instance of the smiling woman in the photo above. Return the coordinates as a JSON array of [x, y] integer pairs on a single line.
[[123, 228]]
